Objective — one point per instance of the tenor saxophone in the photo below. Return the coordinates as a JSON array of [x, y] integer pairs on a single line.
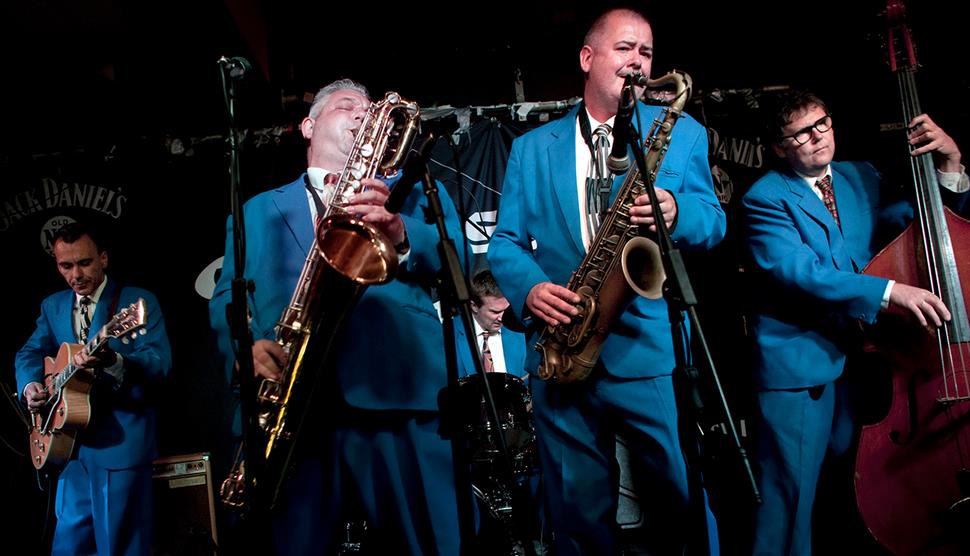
[[620, 263], [346, 256]]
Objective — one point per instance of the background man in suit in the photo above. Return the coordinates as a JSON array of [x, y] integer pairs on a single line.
[[104, 493], [507, 347], [373, 447], [810, 244], [541, 238]]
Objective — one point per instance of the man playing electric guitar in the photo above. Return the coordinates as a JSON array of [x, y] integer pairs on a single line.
[[104, 492]]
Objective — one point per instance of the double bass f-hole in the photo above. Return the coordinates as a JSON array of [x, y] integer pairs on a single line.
[[912, 406]]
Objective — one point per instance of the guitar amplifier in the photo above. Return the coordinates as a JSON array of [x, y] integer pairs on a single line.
[[185, 513]]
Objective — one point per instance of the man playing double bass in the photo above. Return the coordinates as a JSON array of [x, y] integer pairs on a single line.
[[810, 230]]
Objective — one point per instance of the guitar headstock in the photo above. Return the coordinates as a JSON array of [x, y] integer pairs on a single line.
[[899, 39], [130, 321]]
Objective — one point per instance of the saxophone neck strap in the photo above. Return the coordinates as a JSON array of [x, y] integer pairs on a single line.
[[583, 118], [321, 209]]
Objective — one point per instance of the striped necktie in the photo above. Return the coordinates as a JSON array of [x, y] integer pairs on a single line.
[[487, 364], [84, 307]]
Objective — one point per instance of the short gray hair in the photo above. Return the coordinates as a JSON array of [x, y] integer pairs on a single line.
[[324, 93]]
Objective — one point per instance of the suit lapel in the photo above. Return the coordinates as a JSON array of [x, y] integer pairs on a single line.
[[562, 167], [815, 208], [291, 201], [64, 318], [848, 205], [102, 313]]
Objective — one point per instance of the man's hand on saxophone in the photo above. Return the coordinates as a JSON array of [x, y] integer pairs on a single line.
[[268, 359], [553, 304], [642, 211], [370, 205]]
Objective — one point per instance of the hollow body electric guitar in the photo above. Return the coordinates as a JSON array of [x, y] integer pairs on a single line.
[[54, 427]]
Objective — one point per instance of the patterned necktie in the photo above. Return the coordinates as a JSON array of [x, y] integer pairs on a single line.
[[828, 197], [599, 182], [85, 308], [330, 185], [487, 364]]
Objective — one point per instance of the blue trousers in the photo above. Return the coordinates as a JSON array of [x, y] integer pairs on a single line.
[[103, 511], [576, 427]]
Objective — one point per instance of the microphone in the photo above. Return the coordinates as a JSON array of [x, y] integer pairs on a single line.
[[237, 66], [413, 172], [638, 79], [619, 160]]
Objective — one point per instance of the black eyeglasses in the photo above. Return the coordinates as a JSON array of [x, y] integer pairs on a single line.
[[802, 136]]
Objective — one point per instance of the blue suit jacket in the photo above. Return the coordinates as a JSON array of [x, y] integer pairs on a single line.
[[122, 431], [513, 344], [540, 205], [810, 287], [391, 356]]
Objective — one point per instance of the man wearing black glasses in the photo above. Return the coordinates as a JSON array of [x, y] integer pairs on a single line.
[[810, 230]]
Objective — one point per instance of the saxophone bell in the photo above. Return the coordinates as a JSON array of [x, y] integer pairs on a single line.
[[643, 268]]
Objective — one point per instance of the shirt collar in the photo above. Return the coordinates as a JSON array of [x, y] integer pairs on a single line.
[[594, 123], [316, 175], [95, 295], [811, 180], [480, 331]]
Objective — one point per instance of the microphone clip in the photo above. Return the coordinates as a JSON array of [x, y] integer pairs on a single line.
[[237, 66]]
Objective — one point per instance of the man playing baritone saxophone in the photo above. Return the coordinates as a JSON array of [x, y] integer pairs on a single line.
[[372, 449], [540, 239]]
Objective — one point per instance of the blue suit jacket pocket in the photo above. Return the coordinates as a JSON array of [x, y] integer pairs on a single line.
[[422, 311]]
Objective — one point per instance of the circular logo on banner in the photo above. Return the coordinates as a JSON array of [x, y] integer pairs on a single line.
[[205, 284], [48, 229]]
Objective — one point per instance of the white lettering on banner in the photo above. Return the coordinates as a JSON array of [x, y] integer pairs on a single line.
[[733, 149], [50, 195]]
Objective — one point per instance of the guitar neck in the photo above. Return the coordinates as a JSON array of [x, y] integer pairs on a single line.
[[67, 372]]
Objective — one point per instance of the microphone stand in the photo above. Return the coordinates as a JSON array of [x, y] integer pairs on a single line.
[[680, 298], [237, 313], [454, 296]]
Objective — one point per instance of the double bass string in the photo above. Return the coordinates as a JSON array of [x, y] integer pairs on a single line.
[[953, 368]]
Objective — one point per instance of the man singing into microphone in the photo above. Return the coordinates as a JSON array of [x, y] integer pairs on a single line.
[[552, 203]]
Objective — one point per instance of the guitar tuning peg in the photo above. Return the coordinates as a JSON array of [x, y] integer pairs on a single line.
[[124, 340], [142, 331]]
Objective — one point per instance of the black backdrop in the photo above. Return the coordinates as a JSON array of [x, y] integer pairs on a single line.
[[123, 127]]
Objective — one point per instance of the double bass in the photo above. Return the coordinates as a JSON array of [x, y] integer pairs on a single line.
[[912, 476]]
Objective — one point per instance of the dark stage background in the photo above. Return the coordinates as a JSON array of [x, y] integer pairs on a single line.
[[112, 111]]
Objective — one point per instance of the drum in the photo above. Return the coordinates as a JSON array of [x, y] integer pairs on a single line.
[[514, 405]]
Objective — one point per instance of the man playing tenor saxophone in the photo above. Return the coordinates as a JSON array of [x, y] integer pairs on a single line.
[[546, 222], [371, 445]]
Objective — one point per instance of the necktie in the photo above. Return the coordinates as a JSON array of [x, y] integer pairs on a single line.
[[599, 182], [828, 197], [487, 364], [85, 308], [329, 185]]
